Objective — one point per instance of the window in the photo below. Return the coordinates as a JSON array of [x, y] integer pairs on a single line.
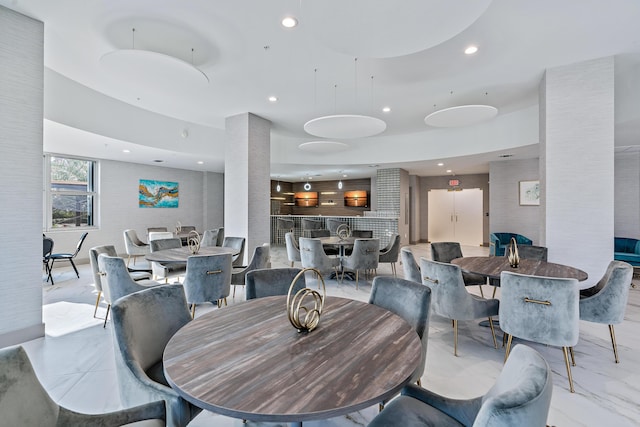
[[70, 196]]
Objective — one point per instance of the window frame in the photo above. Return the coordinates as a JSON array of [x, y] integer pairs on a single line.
[[48, 193]]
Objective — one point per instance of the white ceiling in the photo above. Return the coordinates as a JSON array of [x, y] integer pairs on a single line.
[[159, 107]]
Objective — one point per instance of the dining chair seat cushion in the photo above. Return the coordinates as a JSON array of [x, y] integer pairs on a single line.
[[156, 373], [140, 275]]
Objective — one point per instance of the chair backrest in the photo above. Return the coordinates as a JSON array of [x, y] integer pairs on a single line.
[[162, 244], [449, 297], [311, 224], [80, 242], [391, 252], [333, 224], [208, 278], [409, 300], [261, 259], [187, 228], [131, 238], [47, 247], [209, 238], [319, 233], [156, 229], [143, 323], [220, 236], [160, 235], [608, 302], [285, 224], [410, 266], [23, 400], [533, 252], [236, 243], [522, 393], [312, 255], [267, 282], [365, 234], [94, 253], [117, 281], [293, 251], [365, 255], [445, 251], [540, 309]]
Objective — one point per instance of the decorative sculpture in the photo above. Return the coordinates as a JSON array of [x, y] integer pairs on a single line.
[[178, 227], [512, 253], [193, 240], [343, 231], [295, 307]]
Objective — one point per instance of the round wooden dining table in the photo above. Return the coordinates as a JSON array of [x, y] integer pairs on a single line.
[[180, 255], [247, 360], [492, 266]]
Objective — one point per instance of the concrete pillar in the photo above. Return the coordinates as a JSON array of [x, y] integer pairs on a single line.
[[577, 165], [246, 180]]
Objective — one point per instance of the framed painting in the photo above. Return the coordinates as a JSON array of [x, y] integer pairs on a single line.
[[529, 193], [157, 194]]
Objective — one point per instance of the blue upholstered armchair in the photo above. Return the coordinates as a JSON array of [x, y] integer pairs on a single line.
[[627, 250], [498, 242]]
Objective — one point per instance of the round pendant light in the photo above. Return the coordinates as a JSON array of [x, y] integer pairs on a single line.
[[463, 115], [345, 126]]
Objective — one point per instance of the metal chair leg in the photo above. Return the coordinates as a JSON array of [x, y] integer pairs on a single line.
[[508, 349], [566, 362], [493, 333], [613, 342], [97, 302], [106, 316], [455, 337]]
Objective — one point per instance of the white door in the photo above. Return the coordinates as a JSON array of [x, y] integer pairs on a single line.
[[455, 216]]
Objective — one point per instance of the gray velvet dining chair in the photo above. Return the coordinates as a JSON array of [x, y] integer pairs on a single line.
[[450, 299], [162, 270], [329, 250], [540, 309], [134, 246], [391, 252], [521, 396], [261, 259], [236, 243], [410, 267], [284, 225], [312, 255], [25, 402], [310, 224], [606, 302], [208, 279], [412, 302], [365, 256], [116, 281], [109, 250], [447, 252], [143, 324], [268, 282], [293, 251], [209, 238]]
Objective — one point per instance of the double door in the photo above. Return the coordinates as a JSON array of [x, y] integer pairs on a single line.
[[455, 216]]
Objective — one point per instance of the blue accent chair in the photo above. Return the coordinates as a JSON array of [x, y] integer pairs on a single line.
[[498, 242], [627, 250]]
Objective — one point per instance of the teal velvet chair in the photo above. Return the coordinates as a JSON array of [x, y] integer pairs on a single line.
[[541, 309], [627, 250], [24, 402], [606, 302], [520, 397], [498, 242]]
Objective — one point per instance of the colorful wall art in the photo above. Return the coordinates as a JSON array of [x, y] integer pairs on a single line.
[[157, 194]]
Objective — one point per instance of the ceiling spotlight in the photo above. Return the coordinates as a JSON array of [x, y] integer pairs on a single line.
[[273, 98], [200, 162], [386, 109], [471, 50], [126, 151], [440, 164], [340, 185], [449, 170], [289, 22]]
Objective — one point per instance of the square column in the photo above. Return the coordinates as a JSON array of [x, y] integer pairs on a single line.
[[577, 165], [247, 166]]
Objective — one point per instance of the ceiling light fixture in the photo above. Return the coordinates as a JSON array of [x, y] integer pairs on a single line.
[[200, 162], [340, 185], [273, 98], [470, 50], [463, 115], [346, 126], [386, 109], [278, 188], [126, 151], [449, 171], [440, 164], [289, 22]]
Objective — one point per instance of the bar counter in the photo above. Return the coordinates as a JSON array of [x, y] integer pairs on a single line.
[[383, 227]]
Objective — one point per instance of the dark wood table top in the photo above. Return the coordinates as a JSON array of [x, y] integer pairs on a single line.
[[247, 361], [336, 241], [492, 267], [180, 255]]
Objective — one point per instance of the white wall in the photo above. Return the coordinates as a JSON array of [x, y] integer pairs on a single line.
[[21, 109], [506, 214], [119, 210]]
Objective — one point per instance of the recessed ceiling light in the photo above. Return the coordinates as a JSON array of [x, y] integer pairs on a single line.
[[344, 175], [158, 161], [200, 162], [386, 109], [448, 170], [289, 22], [504, 156], [126, 151], [471, 50], [273, 98], [440, 164]]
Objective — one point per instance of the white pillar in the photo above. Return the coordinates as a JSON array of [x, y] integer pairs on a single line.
[[577, 164], [247, 180]]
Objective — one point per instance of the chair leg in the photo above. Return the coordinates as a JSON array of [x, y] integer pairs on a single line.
[[291, 264], [508, 349], [51, 272], [129, 259], [357, 273], [493, 333], [573, 356], [613, 342], [419, 383], [481, 291], [74, 267], [97, 302], [234, 292], [566, 362], [193, 311], [455, 337], [106, 316], [495, 288]]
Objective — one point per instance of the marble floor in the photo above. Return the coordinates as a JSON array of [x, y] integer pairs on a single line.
[[75, 360]]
